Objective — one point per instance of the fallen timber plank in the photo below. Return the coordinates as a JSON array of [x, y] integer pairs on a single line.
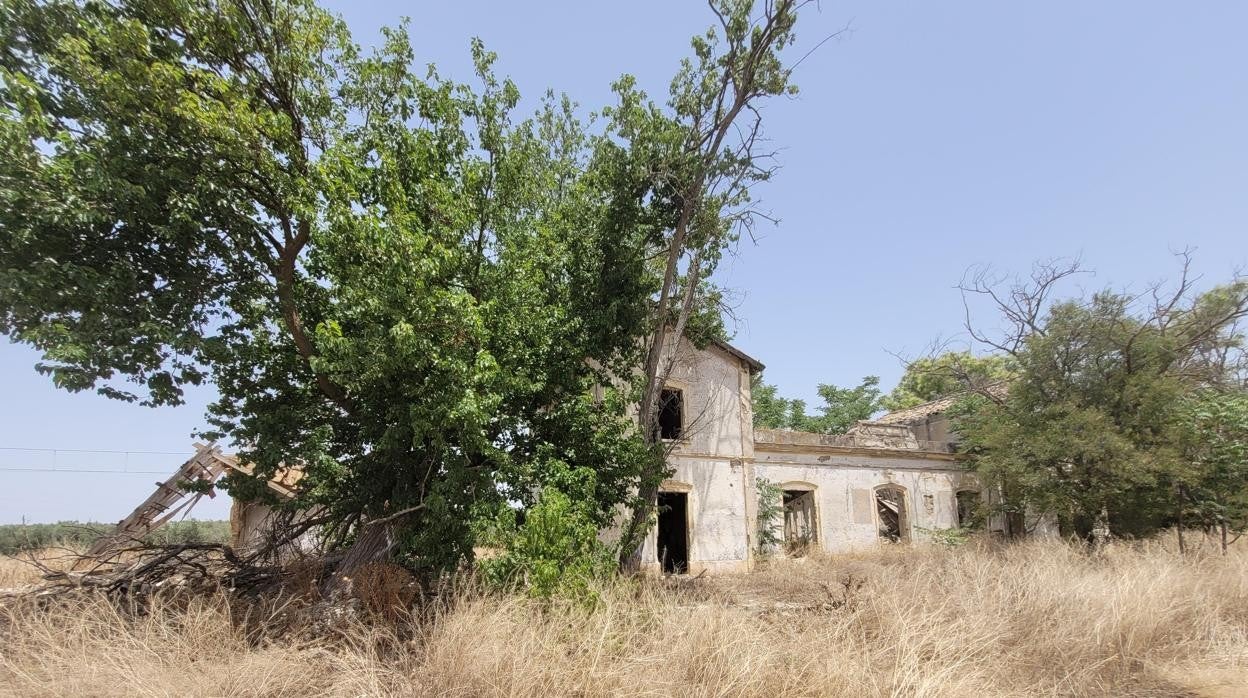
[[208, 464]]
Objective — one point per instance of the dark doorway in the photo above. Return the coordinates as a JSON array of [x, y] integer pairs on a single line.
[[968, 509], [800, 531], [673, 532]]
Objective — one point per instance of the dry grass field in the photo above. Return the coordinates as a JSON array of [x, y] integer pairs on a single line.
[[15, 570], [1034, 619]]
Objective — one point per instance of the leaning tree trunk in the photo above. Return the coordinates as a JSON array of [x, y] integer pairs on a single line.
[[373, 544]]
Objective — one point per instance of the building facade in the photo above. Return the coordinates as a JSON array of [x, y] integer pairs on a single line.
[[878, 483]]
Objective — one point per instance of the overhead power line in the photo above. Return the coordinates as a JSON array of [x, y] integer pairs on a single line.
[[4, 468], [90, 450], [70, 460]]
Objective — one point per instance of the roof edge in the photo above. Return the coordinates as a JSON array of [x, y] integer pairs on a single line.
[[755, 365]]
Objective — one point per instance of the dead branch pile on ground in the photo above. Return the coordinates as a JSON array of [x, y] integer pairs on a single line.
[[143, 568], [269, 599]]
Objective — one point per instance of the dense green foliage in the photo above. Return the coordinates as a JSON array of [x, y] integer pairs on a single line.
[[556, 552], [1119, 415], [841, 408], [15, 538], [933, 377], [397, 281], [390, 278], [1211, 474]]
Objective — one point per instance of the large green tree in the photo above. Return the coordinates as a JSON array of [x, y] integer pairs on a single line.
[[1090, 431], [390, 278], [1211, 477], [703, 151]]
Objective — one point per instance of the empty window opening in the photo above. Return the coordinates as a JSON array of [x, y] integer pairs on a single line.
[[968, 509], [890, 506], [800, 530], [673, 532], [671, 413]]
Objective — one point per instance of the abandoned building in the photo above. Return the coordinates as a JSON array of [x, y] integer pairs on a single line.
[[891, 480]]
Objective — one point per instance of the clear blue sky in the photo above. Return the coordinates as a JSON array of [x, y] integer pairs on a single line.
[[931, 137]]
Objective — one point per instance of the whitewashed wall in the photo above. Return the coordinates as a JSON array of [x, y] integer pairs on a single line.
[[845, 492], [708, 460], [717, 462]]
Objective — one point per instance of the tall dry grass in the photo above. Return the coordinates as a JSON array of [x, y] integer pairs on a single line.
[[17, 570], [1034, 619]]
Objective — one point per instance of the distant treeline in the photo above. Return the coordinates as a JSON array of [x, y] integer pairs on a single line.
[[15, 538]]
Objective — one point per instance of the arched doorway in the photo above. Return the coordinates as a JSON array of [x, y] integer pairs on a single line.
[[801, 522], [892, 517]]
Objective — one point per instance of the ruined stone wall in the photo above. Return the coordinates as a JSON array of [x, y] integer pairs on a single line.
[[844, 488], [718, 520], [716, 389], [249, 524], [251, 528], [718, 459]]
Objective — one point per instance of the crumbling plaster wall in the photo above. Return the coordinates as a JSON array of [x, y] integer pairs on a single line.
[[845, 487], [717, 521], [720, 456], [249, 524], [716, 390], [709, 460]]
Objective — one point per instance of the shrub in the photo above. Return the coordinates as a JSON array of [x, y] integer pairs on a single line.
[[770, 507], [948, 537], [555, 552]]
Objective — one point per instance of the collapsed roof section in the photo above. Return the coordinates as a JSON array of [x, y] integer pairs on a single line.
[[180, 493], [919, 413]]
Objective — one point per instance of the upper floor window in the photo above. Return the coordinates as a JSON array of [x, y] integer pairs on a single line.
[[671, 413]]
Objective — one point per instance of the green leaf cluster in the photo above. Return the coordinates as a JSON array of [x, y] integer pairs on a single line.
[[933, 377], [842, 408], [1212, 468], [395, 281], [556, 552], [1117, 415], [770, 510]]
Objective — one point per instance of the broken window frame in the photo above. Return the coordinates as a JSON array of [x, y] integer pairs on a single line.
[[971, 519], [667, 396]]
